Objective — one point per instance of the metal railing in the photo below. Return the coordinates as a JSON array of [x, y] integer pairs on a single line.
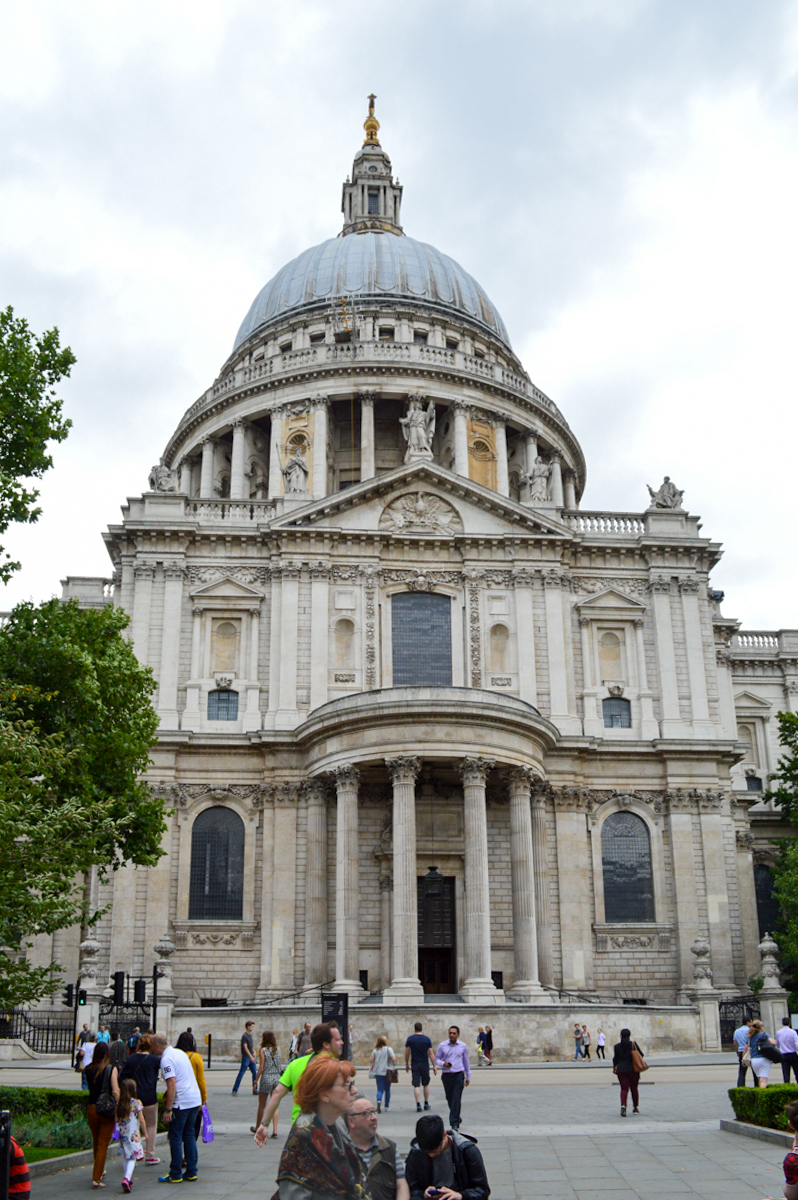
[[44, 1032]]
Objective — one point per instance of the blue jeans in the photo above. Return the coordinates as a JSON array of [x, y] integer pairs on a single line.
[[579, 1052], [183, 1141], [246, 1063], [383, 1089]]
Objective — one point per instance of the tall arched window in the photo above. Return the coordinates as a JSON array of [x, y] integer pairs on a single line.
[[499, 639], [216, 891], [421, 631], [345, 644], [626, 866], [767, 906]]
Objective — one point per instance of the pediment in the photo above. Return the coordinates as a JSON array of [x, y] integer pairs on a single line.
[[747, 701], [422, 500], [611, 602], [227, 589]]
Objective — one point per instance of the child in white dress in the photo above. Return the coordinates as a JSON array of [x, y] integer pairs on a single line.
[[130, 1118]]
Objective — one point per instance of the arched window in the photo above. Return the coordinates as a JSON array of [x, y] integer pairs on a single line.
[[499, 637], [767, 906], [617, 713], [216, 890], [223, 705], [421, 631], [610, 656], [225, 638], [345, 644], [626, 866]]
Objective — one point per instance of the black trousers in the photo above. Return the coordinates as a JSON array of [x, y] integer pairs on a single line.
[[453, 1084], [787, 1061]]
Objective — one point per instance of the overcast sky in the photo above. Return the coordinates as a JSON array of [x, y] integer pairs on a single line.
[[620, 176]]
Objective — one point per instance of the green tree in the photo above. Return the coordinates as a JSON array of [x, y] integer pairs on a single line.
[[30, 417], [76, 727], [785, 871]]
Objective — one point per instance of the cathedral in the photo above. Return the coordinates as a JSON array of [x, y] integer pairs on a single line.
[[430, 732]]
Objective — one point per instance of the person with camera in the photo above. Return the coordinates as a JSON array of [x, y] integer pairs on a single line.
[[444, 1164]]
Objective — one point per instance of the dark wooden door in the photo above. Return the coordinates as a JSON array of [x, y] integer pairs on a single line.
[[436, 940]]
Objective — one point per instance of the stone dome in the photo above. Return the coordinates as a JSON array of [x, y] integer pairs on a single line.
[[377, 266]]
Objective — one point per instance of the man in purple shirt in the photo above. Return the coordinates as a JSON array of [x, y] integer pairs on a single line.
[[452, 1058], [787, 1042]]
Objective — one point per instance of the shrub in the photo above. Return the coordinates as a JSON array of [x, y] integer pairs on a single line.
[[763, 1106], [38, 1131], [50, 1102]]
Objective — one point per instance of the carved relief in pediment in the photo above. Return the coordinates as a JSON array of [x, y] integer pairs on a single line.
[[420, 512]]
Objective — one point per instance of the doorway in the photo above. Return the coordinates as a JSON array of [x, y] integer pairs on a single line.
[[436, 941]]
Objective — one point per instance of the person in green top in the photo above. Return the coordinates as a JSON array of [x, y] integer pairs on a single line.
[[327, 1042]]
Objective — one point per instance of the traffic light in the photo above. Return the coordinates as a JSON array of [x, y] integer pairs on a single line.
[[81, 995], [68, 997], [118, 984], [140, 991]]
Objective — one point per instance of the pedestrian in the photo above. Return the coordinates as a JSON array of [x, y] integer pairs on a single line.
[[452, 1057], [444, 1163], [759, 1045], [381, 1164], [188, 1045], [420, 1057], [118, 1050], [351, 1052], [586, 1042], [740, 1038], [84, 1035], [480, 1045], [303, 1045], [133, 1040], [489, 1045], [601, 1042], [18, 1173], [294, 1043], [248, 1060], [143, 1066], [130, 1119], [181, 1102], [578, 1042], [268, 1077], [787, 1042], [791, 1158], [84, 1056], [318, 1160], [326, 1042], [103, 1085], [382, 1059], [623, 1066]]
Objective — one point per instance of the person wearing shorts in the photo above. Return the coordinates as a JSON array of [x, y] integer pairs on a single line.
[[420, 1057], [759, 1064]]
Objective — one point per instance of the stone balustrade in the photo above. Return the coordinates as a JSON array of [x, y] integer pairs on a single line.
[[233, 512], [613, 524], [756, 640]]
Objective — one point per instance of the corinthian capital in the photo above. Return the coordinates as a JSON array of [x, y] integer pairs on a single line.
[[346, 776], [519, 779], [403, 769], [475, 771]]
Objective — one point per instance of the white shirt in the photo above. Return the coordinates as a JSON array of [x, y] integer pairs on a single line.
[[88, 1053], [175, 1064], [787, 1040], [602, 1040]]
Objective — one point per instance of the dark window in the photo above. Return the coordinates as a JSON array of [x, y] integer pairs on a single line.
[[451, 344], [753, 783], [421, 627], [217, 866], [767, 906], [617, 713], [223, 705], [316, 339], [285, 348], [626, 865], [386, 333], [344, 338], [420, 339], [213, 1002], [374, 203]]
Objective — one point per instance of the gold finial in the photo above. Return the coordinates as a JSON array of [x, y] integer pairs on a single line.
[[371, 125]]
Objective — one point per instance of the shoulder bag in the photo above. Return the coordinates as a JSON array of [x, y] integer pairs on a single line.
[[638, 1062], [106, 1104]]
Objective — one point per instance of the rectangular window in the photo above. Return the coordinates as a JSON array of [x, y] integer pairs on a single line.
[[386, 333], [753, 783], [617, 713], [316, 338], [343, 338], [451, 344], [421, 625], [285, 348], [223, 705], [374, 203], [420, 339]]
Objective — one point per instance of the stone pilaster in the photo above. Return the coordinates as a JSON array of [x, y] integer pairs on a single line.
[[284, 887], [405, 984], [267, 896], [170, 645], [478, 987], [319, 632], [542, 889], [316, 884], [716, 872], [144, 573], [275, 462], [502, 473], [320, 421], [367, 465], [703, 727], [526, 984], [573, 857], [672, 724], [347, 899], [287, 715], [460, 439]]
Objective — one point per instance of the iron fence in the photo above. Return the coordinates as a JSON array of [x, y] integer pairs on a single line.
[[43, 1031]]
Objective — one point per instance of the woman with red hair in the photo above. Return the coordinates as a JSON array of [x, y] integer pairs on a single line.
[[317, 1162]]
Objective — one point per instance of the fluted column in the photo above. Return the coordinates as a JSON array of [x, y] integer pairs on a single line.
[[478, 987], [542, 889], [526, 985], [238, 481], [347, 899], [570, 489], [367, 462], [320, 418], [405, 984], [207, 469], [556, 479], [531, 449], [502, 472], [316, 884], [275, 464], [460, 438]]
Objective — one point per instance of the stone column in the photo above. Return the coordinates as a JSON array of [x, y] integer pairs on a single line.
[[347, 898], [284, 888], [238, 481], [252, 718], [531, 450], [672, 724], [143, 573], [744, 841], [275, 641], [525, 616], [460, 438], [594, 724], [187, 476], [170, 645], [694, 638], [688, 927], [275, 462], [320, 419], [478, 987], [267, 896], [367, 463], [502, 473], [319, 632], [191, 714], [716, 874], [540, 845], [556, 479], [208, 468], [287, 716], [566, 722], [386, 890], [649, 726], [316, 885], [405, 984], [570, 489], [526, 985]]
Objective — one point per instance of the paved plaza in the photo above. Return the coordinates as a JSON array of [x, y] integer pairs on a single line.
[[545, 1132]]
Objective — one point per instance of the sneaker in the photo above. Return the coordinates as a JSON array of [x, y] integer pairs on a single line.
[[418, 1108], [125, 1185], [151, 1162], [427, 1106], [635, 1112], [169, 1179], [189, 1178], [623, 1110]]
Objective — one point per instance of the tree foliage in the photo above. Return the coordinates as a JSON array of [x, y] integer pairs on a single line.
[[30, 417], [76, 727], [785, 871]]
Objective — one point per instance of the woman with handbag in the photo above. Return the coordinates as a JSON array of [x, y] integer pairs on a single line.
[[269, 1070], [382, 1056], [627, 1063], [101, 1112], [764, 1051]]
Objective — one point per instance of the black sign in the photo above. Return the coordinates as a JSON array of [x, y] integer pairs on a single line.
[[335, 1007]]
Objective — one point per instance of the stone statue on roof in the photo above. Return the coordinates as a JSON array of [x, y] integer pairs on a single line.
[[667, 495], [418, 427]]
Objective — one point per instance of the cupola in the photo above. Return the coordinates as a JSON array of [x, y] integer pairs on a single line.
[[371, 201]]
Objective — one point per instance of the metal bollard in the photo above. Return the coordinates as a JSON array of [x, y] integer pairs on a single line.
[[5, 1153]]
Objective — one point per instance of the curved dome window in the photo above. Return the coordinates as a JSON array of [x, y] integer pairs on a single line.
[[626, 866], [216, 888], [421, 630]]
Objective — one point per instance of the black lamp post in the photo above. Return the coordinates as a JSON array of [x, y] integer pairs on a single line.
[[433, 883]]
